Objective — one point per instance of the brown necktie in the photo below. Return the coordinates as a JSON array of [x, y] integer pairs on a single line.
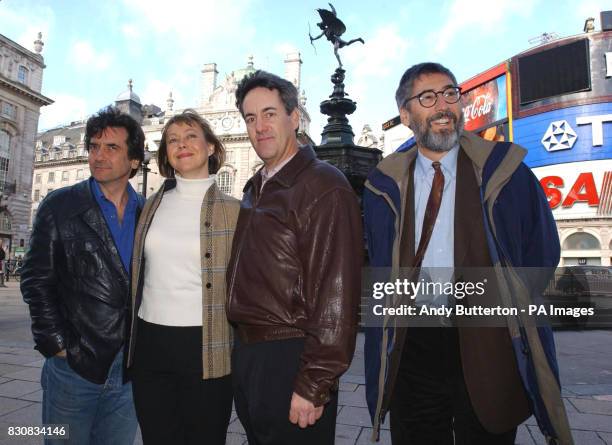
[[431, 213]]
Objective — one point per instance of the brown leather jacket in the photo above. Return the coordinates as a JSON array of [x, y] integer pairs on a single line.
[[295, 269]]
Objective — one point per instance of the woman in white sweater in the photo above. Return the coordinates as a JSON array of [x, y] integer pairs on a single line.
[[180, 340]]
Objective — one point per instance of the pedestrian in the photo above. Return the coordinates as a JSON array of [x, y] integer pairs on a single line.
[[75, 279], [181, 341], [294, 277], [467, 203]]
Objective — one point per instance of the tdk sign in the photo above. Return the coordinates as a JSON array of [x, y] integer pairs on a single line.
[[559, 136], [572, 134]]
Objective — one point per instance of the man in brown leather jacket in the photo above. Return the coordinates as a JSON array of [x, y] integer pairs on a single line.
[[293, 278]]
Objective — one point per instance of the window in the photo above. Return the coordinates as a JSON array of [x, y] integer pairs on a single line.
[[5, 145], [65, 176], [226, 182], [22, 74], [51, 177], [5, 222], [581, 241], [80, 173], [9, 110], [58, 140], [36, 195], [37, 178]]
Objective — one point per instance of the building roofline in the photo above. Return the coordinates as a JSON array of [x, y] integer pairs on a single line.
[[37, 57], [25, 91]]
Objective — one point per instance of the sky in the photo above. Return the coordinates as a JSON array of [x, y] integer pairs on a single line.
[[92, 48]]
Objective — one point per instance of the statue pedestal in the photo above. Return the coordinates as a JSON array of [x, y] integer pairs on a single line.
[[337, 146]]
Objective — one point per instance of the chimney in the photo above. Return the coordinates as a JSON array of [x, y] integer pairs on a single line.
[[293, 68], [209, 82]]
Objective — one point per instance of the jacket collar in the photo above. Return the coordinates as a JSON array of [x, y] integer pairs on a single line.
[[478, 151], [289, 173], [82, 199]]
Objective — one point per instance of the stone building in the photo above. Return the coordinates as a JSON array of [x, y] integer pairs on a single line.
[[61, 159], [21, 76]]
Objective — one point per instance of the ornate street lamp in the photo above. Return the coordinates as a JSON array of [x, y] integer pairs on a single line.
[[145, 169]]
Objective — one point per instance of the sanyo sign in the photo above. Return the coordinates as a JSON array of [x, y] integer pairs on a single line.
[[578, 190], [571, 134]]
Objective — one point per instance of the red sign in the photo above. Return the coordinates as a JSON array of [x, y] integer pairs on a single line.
[[583, 190], [485, 104]]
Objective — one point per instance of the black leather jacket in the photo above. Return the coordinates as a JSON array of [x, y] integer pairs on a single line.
[[75, 284]]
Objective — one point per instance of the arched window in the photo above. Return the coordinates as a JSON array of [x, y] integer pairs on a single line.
[[226, 182], [581, 241], [22, 74], [5, 152]]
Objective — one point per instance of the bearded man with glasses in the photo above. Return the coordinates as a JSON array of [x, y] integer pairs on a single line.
[[451, 200]]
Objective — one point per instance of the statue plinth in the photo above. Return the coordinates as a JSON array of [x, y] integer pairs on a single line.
[[337, 144], [337, 107]]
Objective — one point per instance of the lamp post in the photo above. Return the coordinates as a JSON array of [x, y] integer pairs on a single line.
[[145, 169]]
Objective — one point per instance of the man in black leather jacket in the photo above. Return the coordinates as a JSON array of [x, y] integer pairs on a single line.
[[75, 278]]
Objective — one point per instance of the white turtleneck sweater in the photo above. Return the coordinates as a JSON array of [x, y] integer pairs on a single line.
[[172, 292]]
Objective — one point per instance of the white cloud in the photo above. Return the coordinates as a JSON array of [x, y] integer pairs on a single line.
[[66, 108], [23, 25], [187, 19], [156, 92], [590, 8], [285, 48], [131, 31], [478, 17], [382, 56], [85, 56]]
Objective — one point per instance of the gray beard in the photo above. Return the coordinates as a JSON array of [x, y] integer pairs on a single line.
[[438, 142]]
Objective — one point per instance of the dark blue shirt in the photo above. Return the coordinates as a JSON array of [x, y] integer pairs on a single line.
[[123, 233]]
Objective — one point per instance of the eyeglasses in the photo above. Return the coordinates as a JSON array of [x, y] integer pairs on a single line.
[[428, 98]]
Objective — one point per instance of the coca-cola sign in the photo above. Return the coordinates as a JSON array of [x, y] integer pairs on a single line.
[[485, 104]]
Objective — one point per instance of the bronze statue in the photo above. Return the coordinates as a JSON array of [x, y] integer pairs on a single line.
[[332, 28]]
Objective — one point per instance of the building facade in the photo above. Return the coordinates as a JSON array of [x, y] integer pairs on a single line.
[[61, 158], [21, 76]]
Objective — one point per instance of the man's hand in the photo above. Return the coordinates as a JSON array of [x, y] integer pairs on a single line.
[[303, 412], [62, 353]]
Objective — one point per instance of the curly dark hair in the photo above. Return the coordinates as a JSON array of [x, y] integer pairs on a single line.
[[286, 90], [113, 117], [193, 119]]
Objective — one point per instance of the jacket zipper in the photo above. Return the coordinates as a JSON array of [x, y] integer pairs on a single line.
[[239, 250]]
